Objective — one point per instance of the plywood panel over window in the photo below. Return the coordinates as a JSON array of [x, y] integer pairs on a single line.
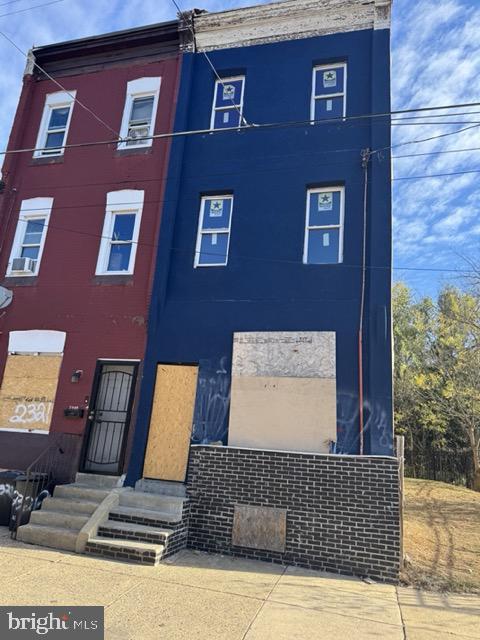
[[171, 422], [284, 391], [27, 392]]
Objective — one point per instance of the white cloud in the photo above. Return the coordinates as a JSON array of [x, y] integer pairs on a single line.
[[436, 61]]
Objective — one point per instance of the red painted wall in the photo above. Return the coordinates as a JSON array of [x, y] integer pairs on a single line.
[[101, 319]]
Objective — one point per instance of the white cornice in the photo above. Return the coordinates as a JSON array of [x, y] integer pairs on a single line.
[[288, 20]]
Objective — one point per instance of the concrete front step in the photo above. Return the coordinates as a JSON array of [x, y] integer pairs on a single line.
[[148, 517], [53, 537], [161, 487], [68, 505], [153, 502], [80, 492], [59, 519], [132, 531], [126, 550], [97, 481]]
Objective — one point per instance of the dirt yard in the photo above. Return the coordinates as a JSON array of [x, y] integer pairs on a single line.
[[442, 537]]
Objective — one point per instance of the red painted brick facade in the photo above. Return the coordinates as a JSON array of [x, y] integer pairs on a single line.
[[103, 316]]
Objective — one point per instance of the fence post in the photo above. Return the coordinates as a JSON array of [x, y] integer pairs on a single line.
[[401, 468]]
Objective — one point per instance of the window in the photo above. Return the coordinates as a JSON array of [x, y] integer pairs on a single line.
[[138, 120], [120, 233], [324, 226], [329, 91], [57, 113], [227, 110], [214, 231], [30, 237]]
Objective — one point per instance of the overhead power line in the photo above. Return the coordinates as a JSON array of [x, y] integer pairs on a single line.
[[4, 4], [243, 128], [212, 66], [58, 84], [35, 6], [192, 251]]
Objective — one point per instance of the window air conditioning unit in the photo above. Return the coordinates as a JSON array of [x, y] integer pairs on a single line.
[[136, 132], [23, 265]]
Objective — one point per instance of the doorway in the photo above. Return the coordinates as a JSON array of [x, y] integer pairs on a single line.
[[109, 417]]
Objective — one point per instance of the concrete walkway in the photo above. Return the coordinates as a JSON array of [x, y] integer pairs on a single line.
[[197, 596]]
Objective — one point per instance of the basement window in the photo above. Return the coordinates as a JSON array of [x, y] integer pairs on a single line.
[[54, 125], [138, 121], [120, 233], [213, 238], [324, 226], [29, 237], [227, 110], [329, 92]]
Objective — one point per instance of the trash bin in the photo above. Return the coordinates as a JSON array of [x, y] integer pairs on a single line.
[[28, 496], [7, 490]]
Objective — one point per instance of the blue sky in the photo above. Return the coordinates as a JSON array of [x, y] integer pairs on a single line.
[[435, 61]]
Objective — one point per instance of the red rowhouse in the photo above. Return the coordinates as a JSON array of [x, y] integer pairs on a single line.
[[102, 310]]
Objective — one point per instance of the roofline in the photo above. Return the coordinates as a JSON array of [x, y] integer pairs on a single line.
[[167, 33], [109, 36]]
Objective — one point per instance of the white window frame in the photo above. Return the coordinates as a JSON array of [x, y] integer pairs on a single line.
[[55, 100], [221, 82], [325, 96], [340, 226], [139, 88], [201, 232], [31, 209], [125, 201]]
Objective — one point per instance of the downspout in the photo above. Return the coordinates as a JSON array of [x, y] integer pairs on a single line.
[[365, 160]]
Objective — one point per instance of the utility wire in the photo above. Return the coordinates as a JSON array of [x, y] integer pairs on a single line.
[[267, 157], [434, 153], [165, 201], [437, 175], [4, 4], [35, 6], [81, 104], [248, 127], [436, 137], [192, 251], [212, 66]]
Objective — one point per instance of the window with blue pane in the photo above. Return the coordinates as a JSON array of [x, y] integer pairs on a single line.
[[214, 231], [32, 238], [329, 91], [56, 129], [121, 242], [324, 226], [227, 108]]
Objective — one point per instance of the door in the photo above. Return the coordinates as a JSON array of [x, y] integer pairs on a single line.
[[170, 430], [109, 417]]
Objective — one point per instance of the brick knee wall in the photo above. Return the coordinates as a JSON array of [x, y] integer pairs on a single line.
[[342, 511]]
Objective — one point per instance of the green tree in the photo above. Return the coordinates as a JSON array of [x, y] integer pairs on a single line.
[[437, 372]]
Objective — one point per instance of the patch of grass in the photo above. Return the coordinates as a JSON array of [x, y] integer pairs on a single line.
[[441, 537]]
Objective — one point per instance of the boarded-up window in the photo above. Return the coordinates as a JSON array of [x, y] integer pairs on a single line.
[[27, 392]]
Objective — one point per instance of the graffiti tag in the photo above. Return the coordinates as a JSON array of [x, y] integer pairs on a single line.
[[28, 413]]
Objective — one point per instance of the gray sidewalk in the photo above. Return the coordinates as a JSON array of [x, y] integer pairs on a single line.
[[211, 597]]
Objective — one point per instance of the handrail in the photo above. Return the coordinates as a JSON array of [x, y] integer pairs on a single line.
[[43, 470]]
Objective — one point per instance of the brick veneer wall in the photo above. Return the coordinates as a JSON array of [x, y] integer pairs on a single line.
[[342, 511]]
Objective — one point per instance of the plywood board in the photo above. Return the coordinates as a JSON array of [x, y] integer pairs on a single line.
[[28, 391], [290, 414], [171, 423], [296, 354], [259, 527]]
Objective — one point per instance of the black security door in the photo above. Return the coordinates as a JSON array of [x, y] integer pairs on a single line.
[[109, 417]]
